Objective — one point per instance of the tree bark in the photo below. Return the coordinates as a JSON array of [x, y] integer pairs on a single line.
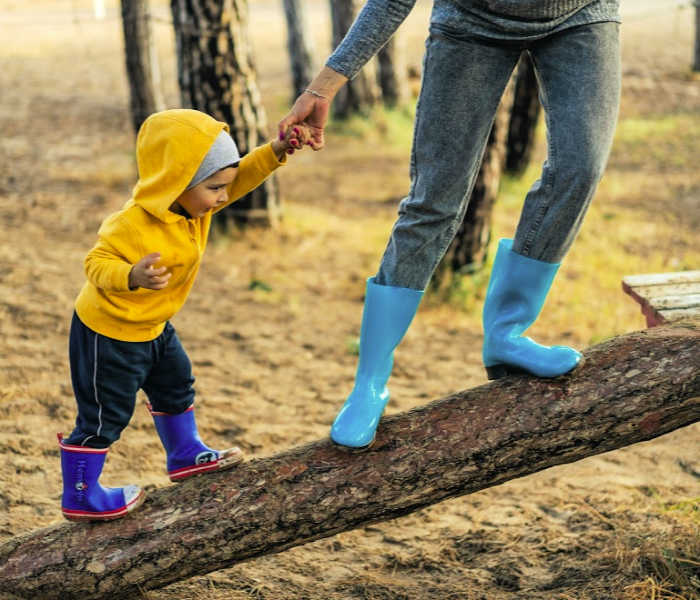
[[523, 117], [299, 46], [143, 73], [393, 80], [629, 389], [696, 53], [360, 94], [216, 74], [468, 251]]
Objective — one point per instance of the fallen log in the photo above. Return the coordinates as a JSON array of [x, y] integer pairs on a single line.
[[630, 389]]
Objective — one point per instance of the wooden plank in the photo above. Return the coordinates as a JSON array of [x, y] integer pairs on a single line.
[[665, 297], [681, 301], [677, 314], [676, 289], [662, 278]]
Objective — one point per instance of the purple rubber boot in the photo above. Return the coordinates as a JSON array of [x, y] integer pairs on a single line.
[[84, 499], [187, 454]]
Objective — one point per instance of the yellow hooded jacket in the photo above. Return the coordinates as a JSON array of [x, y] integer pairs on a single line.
[[170, 147]]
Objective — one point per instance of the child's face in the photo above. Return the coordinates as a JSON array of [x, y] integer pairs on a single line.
[[208, 194]]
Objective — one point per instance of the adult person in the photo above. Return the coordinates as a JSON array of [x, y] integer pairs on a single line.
[[471, 51]]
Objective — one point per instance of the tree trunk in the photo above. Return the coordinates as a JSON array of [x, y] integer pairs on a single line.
[[468, 251], [629, 389], [360, 94], [696, 54], [145, 96], [217, 76], [98, 7], [299, 46], [393, 80], [523, 117]]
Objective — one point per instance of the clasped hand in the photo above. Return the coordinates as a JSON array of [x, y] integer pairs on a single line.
[[290, 139]]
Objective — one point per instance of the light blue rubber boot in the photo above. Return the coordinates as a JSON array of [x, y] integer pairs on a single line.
[[517, 290], [387, 314]]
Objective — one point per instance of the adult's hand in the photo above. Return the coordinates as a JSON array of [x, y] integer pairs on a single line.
[[312, 112], [311, 109]]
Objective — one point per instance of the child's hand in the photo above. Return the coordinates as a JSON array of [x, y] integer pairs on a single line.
[[144, 274], [294, 139]]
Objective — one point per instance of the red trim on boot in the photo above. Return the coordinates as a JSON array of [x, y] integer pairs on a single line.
[[164, 414], [87, 449], [108, 515], [185, 472]]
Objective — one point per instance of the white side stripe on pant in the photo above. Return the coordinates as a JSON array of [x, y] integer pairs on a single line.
[[94, 386]]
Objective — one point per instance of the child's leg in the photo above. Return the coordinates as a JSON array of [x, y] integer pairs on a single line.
[[106, 374], [169, 382], [171, 396]]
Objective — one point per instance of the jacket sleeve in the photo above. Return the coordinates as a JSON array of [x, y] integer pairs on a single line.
[[377, 22], [254, 168], [106, 265]]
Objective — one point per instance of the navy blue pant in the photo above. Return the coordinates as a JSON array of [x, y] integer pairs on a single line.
[[107, 373]]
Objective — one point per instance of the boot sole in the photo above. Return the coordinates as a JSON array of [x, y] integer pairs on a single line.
[[111, 516], [352, 449], [227, 460], [503, 370]]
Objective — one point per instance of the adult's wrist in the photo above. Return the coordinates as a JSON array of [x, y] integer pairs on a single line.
[[327, 83]]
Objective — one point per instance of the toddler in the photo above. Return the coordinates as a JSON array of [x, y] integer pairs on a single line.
[[138, 276]]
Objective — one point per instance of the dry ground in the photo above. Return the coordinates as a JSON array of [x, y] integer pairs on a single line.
[[274, 366]]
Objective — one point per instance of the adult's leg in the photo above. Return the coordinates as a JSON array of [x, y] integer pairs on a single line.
[[463, 81], [578, 71]]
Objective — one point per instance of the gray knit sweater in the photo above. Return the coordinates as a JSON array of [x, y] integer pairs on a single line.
[[498, 19], [528, 9]]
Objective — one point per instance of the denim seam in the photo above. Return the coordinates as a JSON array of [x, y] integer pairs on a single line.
[[414, 161], [451, 231], [445, 240], [447, 235], [548, 178]]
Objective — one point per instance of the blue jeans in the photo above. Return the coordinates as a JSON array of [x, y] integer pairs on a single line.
[[107, 373], [464, 76]]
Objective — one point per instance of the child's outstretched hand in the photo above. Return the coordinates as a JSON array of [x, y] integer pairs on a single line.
[[295, 138], [144, 274]]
